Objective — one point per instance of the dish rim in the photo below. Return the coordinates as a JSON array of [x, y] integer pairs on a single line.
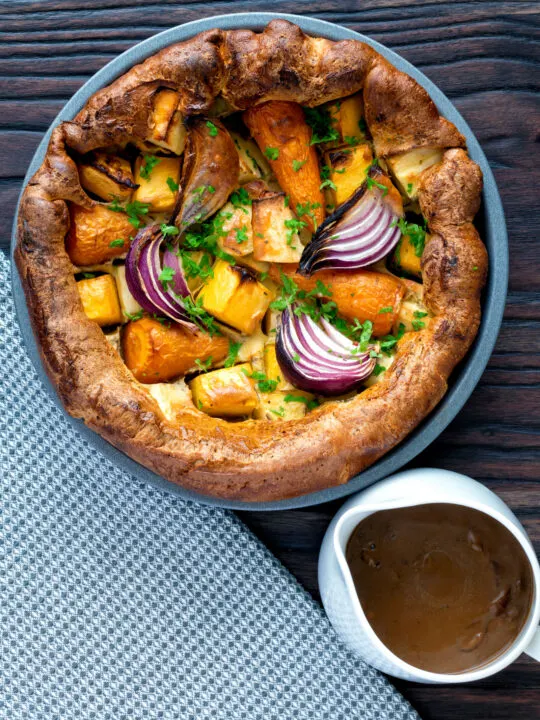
[[464, 378]]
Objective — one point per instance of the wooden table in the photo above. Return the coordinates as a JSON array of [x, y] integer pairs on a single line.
[[485, 57]]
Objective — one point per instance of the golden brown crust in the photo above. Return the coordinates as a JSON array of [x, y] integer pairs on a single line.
[[255, 460]]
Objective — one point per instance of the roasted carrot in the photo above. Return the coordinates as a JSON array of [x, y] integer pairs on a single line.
[[359, 294], [283, 135], [156, 352], [95, 233]]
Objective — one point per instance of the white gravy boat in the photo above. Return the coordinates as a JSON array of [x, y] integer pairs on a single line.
[[406, 489]]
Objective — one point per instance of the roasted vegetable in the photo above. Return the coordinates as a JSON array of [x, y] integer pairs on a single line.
[[209, 173], [272, 369], [413, 315], [237, 224], [407, 168], [253, 165], [107, 176], [97, 234], [166, 128], [381, 367], [406, 259], [229, 392], [361, 294], [157, 178], [157, 351], [100, 299], [275, 230], [347, 117], [283, 135], [348, 170], [128, 303], [172, 398], [234, 296], [279, 406]]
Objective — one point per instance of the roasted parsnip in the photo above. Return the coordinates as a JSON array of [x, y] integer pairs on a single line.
[[406, 168], [166, 127], [275, 230], [107, 176], [154, 175], [229, 392]]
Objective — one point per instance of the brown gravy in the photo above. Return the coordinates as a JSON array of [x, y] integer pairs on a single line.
[[446, 588]]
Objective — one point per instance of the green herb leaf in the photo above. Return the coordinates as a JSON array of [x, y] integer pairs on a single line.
[[328, 184], [418, 325], [271, 153], [204, 365], [150, 162], [134, 316], [173, 185], [420, 314], [378, 369], [240, 197], [117, 243], [166, 276], [415, 233], [384, 310], [212, 129], [321, 124], [280, 412], [309, 403], [168, 229], [232, 357], [371, 183], [241, 234], [297, 164], [264, 383]]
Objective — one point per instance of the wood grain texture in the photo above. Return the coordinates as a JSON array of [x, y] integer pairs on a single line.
[[486, 57]]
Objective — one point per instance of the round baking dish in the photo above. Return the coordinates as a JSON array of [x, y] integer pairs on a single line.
[[490, 221]]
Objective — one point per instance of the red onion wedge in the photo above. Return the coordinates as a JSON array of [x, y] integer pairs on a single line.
[[318, 358], [144, 267], [361, 231]]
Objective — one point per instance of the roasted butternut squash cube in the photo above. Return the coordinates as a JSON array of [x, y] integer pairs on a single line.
[[152, 180], [128, 303], [107, 176], [407, 167], [273, 406], [95, 233], [166, 127], [348, 119], [348, 170], [172, 398], [405, 258], [275, 231], [237, 224], [229, 392], [235, 296], [253, 165], [100, 299]]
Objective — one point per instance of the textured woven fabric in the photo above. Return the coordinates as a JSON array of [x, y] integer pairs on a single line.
[[121, 601]]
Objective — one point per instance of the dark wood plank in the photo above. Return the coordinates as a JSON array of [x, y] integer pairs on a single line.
[[485, 56]]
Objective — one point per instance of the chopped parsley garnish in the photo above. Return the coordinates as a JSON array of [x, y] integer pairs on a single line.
[[193, 269], [264, 383], [328, 184], [289, 291], [389, 342], [117, 243], [351, 140], [204, 188], [320, 289], [297, 164], [384, 310], [173, 185], [296, 357], [168, 229], [206, 238], [280, 412], [264, 274], [416, 234], [88, 275], [418, 325], [204, 365], [309, 403], [241, 234], [233, 353], [240, 197], [378, 369], [212, 129], [166, 276], [271, 153], [134, 316], [420, 314], [199, 315], [409, 188], [150, 162], [293, 226], [371, 183], [320, 122], [134, 210], [307, 209]]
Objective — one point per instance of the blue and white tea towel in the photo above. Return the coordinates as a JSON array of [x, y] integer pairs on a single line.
[[119, 601]]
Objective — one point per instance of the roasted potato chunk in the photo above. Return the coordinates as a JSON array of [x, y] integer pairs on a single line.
[[237, 224], [273, 406], [156, 351], [166, 127], [128, 303], [275, 234], [100, 300], [348, 170], [406, 168], [347, 117], [95, 233], [235, 297], [253, 165], [283, 135], [172, 398], [152, 177], [107, 177], [229, 392]]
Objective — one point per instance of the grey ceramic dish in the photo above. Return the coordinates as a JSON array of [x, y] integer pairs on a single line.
[[491, 224]]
